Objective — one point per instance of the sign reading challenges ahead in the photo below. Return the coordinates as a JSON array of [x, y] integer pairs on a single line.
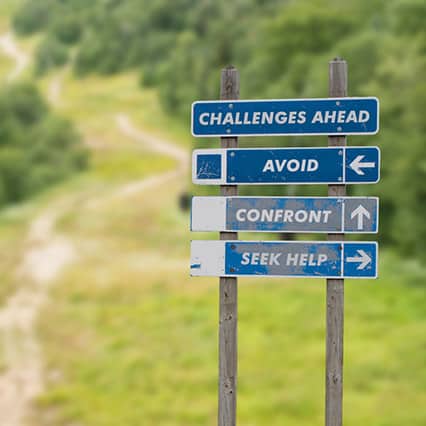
[[285, 214], [284, 259], [331, 116], [268, 166]]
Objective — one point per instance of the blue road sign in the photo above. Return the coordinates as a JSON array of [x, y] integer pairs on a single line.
[[280, 166], [285, 214], [284, 259], [331, 116]]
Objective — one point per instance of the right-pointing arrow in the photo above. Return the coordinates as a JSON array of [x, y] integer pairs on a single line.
[[363, 259], [360, 212], [357, 165]]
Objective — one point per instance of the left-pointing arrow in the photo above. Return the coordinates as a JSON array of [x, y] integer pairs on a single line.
[[357, 165], [363, 259]]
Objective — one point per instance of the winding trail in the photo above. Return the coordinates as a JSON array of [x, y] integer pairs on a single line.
[[54, 90], [47, 253], [10, 48], [154, 144], [46, 256]]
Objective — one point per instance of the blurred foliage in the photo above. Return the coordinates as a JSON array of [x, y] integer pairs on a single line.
[[282, 49], [50, 54], [37, 148], [32, 17]]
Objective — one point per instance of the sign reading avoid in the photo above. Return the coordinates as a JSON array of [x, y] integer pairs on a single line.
[[275, 166]]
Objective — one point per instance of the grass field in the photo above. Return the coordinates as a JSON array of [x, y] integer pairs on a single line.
[[141, 336], [7, 8], [136, 341], [130, 340], [5, 66]]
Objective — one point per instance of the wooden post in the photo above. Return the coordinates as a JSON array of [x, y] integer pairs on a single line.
[[228, 307], [338, 76]]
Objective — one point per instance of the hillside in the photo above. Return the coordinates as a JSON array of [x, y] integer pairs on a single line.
[[102, 325], [281, 49]]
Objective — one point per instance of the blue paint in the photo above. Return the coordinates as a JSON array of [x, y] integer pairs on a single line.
[[357, 250], [249, 166], [342, 116], [209, 166], [284, 214], [368, 173], [301, 259]]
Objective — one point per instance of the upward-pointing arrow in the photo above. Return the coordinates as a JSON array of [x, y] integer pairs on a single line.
[[361, 212], [357, 166]]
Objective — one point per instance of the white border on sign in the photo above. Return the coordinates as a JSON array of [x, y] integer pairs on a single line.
[[284, 134], [208, 213], [379, 162], [376, 229], [223, 152], [376, 269], [219, 151], [216, 207], [208, 259]]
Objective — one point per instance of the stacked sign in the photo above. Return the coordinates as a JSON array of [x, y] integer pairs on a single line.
[[281, 166]]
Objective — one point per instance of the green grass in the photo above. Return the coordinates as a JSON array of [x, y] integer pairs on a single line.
[[13, 223], [13, 230], [141, 336], [2, 361], [7, 8], [129, 339], [127, 165], [94, 101], [141, 348], [5, 67]]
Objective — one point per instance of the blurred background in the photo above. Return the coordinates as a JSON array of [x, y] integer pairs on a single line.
[[100, 323]]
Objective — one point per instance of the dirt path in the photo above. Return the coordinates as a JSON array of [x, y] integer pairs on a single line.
[[47, 254], [11, 49], [154, 144], [54, 90], [45, 257]]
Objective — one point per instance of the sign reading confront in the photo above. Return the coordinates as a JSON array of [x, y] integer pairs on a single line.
[[331, 116], [285, 214], [269, 166], [284, 259]]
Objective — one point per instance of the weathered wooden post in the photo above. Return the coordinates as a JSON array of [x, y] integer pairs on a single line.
[[228, 304], [335, 166], [338, 77]]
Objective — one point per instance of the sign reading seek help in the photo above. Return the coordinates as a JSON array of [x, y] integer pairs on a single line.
[[285, 214], [272, 166], [331, 116], [284, 259]]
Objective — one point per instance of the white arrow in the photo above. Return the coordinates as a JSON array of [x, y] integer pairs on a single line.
[[360, 211], [363, 259], [357, 165]]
